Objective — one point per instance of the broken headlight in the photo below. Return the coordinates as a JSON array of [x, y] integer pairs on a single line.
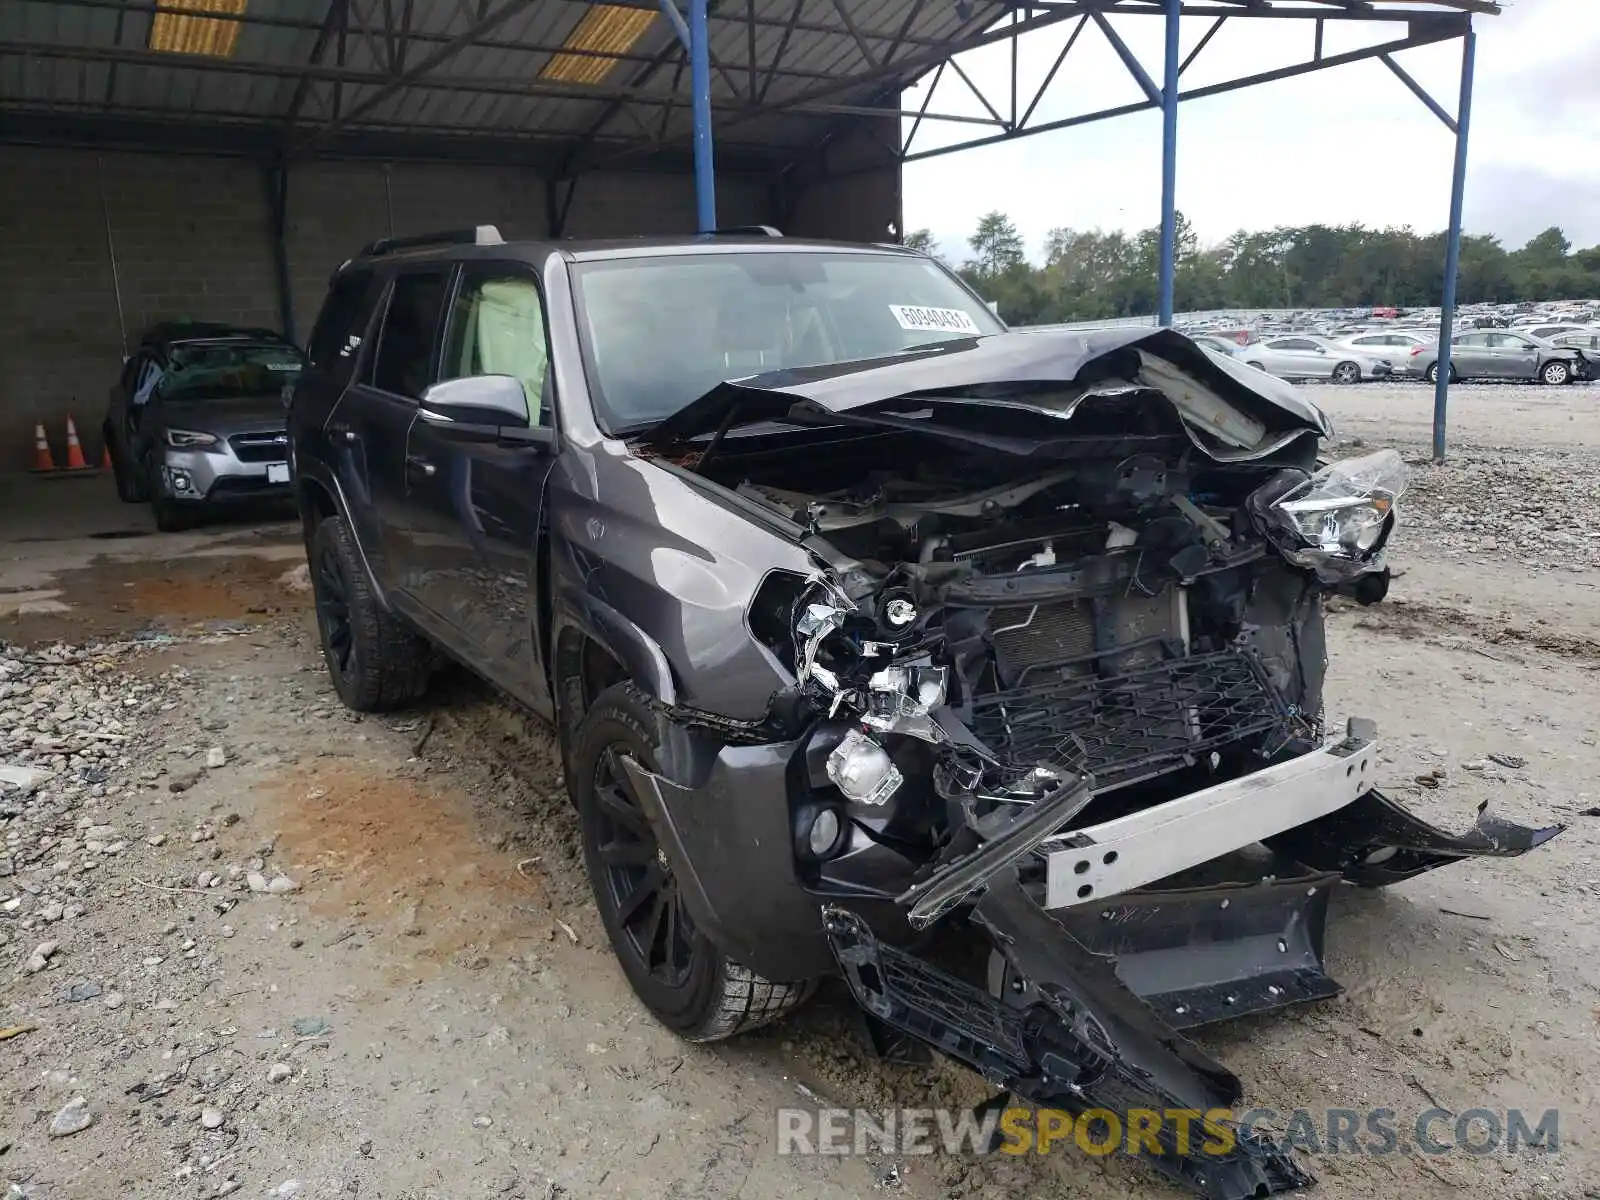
[[1344, 512]]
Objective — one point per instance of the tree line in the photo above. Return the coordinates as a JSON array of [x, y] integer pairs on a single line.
[[1093, 275]]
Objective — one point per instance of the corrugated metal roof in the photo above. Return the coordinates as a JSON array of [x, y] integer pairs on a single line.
[[308, 79]]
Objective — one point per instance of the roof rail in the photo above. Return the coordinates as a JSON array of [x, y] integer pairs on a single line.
[[746, 231], [479, 235]]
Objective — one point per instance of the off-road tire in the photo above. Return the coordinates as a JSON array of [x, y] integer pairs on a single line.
[[1347, 372], [173, 516], [717, 997], [384, 664], [130, 486], [1556, 373]]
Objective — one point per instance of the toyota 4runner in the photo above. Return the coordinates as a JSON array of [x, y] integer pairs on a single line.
[[870, 629]]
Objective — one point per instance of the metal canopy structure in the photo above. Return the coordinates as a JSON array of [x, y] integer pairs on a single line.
[[568, 87]]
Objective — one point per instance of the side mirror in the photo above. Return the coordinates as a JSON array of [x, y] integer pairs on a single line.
[[482, 408], [497, 400]]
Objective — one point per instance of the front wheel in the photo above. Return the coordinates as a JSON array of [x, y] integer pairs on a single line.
[[1556, 372], [688, 984], [375, 661], [1347, 372], [130, 484], [173, 516]]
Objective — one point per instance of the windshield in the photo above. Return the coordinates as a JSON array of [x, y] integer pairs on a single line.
[[225, 369], [661, 332]]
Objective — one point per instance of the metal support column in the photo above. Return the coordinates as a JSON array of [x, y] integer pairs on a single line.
[[1169, 164], [1452, 252], [277, 182], [705, 183]]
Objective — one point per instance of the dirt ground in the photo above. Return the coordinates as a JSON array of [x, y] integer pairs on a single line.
[[425, 1006]]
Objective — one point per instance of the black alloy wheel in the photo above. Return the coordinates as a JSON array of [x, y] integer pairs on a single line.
[[638, 878]]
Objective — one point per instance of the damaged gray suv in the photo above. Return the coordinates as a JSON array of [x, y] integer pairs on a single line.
[[980, 670]]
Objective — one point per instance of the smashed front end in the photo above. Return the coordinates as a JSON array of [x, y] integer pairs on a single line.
[[1058, 676]]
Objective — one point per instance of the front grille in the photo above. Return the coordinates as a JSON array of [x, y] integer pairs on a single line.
[[260, 447], [1142, 721]]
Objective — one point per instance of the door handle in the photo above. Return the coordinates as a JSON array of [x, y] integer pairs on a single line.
[[421, 465], [342, 431]]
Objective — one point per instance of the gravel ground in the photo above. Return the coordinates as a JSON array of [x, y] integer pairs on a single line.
[[251, 943]]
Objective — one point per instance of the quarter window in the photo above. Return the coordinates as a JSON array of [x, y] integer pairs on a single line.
[[341, 319]]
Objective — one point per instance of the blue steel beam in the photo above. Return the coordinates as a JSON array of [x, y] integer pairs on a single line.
[[1452, 249], [669, 9], [1169, 165], [705, 179]]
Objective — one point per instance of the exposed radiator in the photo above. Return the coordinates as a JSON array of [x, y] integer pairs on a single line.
[[1029, 636]]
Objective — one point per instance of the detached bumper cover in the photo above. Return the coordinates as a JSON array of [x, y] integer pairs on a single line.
[[1100, 970], [1083, 1044]]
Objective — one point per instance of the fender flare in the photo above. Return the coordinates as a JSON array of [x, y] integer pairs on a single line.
[[640, 654], [329, 484]]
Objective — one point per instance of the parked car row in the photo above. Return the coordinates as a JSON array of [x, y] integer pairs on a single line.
[[1572, 354]]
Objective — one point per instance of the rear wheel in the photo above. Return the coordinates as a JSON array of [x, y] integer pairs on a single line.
[[1432, 373], [375, 661], [1347, 372], [1556, 372], [688, 984]]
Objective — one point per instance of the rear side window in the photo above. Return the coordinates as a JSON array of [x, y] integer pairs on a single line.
[[336, 339], [403, 363]]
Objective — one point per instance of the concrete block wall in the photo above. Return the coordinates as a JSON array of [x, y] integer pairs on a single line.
[[192, 239]]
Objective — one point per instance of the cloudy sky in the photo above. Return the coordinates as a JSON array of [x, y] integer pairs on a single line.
[[1336, 146]]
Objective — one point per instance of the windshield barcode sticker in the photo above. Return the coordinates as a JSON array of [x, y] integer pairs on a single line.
[[934, 320]]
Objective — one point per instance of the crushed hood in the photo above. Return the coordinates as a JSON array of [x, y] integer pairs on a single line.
[[1243, 407]]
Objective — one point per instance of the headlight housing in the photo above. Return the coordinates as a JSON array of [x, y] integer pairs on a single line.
[[1338, 520], [190, 439]]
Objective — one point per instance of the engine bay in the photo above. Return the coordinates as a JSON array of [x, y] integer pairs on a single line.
[[992, 629]]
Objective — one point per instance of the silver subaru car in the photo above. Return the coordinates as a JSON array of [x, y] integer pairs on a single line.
[[196, 421]]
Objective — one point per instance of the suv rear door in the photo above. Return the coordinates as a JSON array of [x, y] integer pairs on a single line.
[[476, 502], [367, 428]]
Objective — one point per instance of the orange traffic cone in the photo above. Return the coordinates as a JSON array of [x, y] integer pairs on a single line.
[[75, 461], [42, 459]]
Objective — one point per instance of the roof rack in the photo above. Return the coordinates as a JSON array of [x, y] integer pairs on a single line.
[[745, 231], [478, 235]]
